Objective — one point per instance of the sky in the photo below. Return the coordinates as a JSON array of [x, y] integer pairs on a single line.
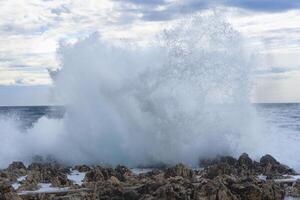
[[31, 31]]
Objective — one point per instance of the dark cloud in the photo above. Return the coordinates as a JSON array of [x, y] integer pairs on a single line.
[[149, 10], [145, 2], [265, 5]]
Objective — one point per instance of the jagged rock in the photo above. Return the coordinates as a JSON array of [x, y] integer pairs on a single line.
[[45, 173], [7, 192], [223, 178], [212, 190], [14, 170], [150, 186], [131, 195], [245, 161], [30, 183], [274, 169], [16, 166], [268, 159], [272, 191], [247, 191], [114, 180], [219, 159], [106, 190], [94, 175], [82, 168], [179, 170], [294, 189], [122, 172], [219, 169], [99, 174]]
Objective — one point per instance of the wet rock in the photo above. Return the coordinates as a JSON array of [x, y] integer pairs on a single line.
[[268, 159], [179, 170], [122, 173], [45, 173], [274, 169], [245, 161], [99, 173], [212, 190], [219, 159], [7, 192], [14, 170], [16, 166], [131, 195], [172, 191], [82, 168], [219, 169], [271, 190], [106, 190], [294, 189], [114, 180], [247, 191]]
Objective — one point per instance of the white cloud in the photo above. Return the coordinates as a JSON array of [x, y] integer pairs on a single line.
[[31, 30]]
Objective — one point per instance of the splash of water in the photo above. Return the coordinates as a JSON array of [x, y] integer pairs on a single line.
[[176, 100]]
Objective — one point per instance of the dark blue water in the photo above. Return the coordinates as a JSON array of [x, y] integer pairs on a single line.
[[26, 116], [284, 115]]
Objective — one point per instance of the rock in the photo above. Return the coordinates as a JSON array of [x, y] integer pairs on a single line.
[[294, 189], [247, 191], [212, 190], [271, 190], [82, 168], [219, 169], [122, 172], [268, 159], [45, 173], [99, 173], [179, 170], [223, 178], [94, 175], [245, 161], [131, 195], [15, 170], [106, 190], [114, 180], [16, 166], [274, 169], [150, 186], [7, 192], [60, 180], [220, 159]]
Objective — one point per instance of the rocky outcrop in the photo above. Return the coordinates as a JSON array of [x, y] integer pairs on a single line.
[[225, 178], [7, 192], [179, 170], [45, 173], [82, 168]]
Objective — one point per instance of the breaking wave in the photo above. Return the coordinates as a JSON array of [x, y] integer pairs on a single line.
[[183, 97]]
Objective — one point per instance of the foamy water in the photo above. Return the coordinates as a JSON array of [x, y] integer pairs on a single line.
[[181, 98]]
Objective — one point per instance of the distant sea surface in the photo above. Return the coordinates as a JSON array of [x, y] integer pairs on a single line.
[[283, 115], [26, 116]]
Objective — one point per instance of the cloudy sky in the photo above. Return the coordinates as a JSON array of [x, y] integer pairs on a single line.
[[31, 30]]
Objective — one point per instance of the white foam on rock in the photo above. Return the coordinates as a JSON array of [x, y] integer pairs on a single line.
[[17, 184], [289, 178], [77, 177], [45, 188], [138, 171], [262, 177]]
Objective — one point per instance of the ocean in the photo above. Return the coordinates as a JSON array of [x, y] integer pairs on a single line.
[[27, 116], [281, 115]]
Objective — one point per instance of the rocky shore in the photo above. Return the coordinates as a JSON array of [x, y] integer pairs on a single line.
[[222, 178]]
